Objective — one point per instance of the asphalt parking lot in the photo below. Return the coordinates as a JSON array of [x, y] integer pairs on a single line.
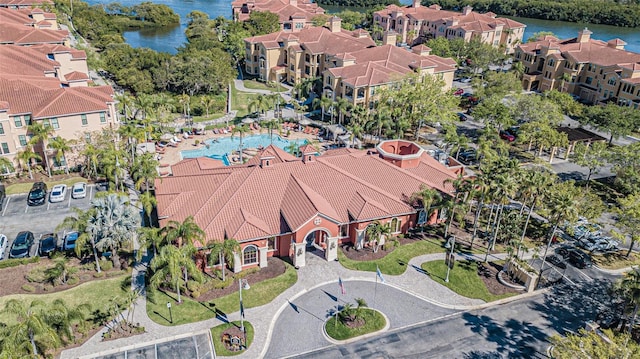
[[17, 216]]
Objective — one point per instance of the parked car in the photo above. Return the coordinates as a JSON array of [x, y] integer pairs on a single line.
[[468, 157], [21, 246], [602, 244], [506, 135], [462, 116], [48, 244], [557, 261], [58, 193], [79, 190], [37, 194], [586, 230], [563, 250], [458, 92], [3, 245], [69, 242], [579, 259]]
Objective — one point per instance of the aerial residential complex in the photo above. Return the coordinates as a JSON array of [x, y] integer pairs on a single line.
[[294, 15], [415, 23], [593, 70], [280, 205], [43, 80], [350, 63]]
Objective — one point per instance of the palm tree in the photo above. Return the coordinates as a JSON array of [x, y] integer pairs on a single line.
[[31, 328], [113, 224], [224, 251], [40, 135], [427, 196], [240, 130], [5, 166], [183, 233], [62, 318], [133, 134], [26, 158], [185, 100], [80, 223], [323, 102], [341, 105], [271, 125], [562, 208], [537, 184], [629, 289], [91, 154], [260, 103], [148, 201], [144, 170], [361, 303], [125, 100], [172, 265], [61, 146], [61, 271], [151, 237], [207, 102]]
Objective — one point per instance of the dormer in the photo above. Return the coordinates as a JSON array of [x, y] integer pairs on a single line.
[[266, 161], [308, 153], [467, 10]]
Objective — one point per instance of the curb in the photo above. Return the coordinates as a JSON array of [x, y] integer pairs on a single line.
[[360, 337]]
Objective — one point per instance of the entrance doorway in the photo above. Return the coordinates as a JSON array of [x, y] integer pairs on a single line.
[[316, 240]]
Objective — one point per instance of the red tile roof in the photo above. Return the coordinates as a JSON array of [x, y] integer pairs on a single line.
[[11, 33], [317, 40], [305, 9], [24, 60], [22, 3], [193, 166], [249, 201], [76, 76]]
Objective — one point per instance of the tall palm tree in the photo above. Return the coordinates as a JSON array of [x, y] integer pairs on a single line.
[[39, 136], [91, 155], [113, 224], [61, 146], [260, 103], [133, 134], [207, 102], [427, 196], [148, 202], [144, 170], [537, 184], [324, 103], [5, 166], [341, 105], [26, 157], [375, 231], [62, 318], [125, 101], [183, 233], [241, 131], [270, 125], [224, 251], [151, 237], [168, 268], [86, 238], [31, 328], [185, 101], [562, 208], [629, 288]]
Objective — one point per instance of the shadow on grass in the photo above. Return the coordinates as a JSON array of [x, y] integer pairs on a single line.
[[419, 270]]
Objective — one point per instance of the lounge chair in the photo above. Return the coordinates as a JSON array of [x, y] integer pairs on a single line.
[[316, 131], [257, 127]]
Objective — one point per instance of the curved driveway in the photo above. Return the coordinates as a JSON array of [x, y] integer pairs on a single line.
[[298, 329]]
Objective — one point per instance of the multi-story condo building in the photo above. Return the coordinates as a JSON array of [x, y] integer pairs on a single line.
[[294, 15], [593, 70], [416, 23], [348, 61], [24, 4], [36, 18]]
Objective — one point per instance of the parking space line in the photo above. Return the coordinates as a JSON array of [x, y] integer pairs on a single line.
[[6, 205], [584, 275], [26, 208], [48, 204], [90, 192]]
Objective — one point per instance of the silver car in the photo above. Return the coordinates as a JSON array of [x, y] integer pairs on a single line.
[[58, 193], [79, 190], [3, 245]]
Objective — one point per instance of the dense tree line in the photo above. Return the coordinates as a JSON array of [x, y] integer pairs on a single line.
[[358, 3], [626, 14]]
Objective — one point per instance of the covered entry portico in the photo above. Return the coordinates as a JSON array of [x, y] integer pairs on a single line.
[[314, 238]]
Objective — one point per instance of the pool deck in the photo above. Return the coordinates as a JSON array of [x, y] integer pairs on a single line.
[[172, 154]]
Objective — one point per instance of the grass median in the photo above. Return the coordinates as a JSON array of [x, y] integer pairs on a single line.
[[463, 279], [26, 187], [216, 335], [394, 263], [373, 321], [191, 311]]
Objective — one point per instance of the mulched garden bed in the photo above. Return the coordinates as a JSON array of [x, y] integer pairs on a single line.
[[275, 267], [367, 254], [488, 272]]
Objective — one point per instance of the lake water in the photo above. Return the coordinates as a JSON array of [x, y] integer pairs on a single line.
[[169, 39]]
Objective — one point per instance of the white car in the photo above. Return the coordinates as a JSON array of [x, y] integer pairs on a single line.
[[79, 190], [58, 192], [3, 245]]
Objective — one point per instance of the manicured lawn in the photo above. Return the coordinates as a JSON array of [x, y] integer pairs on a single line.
[[395, 262], [337, 330], [616, 260], [463, 279], [25, 187], [216, 334], [190, 311], [240, 101], [95, 293], [256, 85]]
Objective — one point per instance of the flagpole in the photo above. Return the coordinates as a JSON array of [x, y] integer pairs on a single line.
[[375, 291]]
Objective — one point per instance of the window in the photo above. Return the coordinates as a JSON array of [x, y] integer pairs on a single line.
[[589, 80], [272, 243], [551, 62], [299, 25], [5, 148], [84, 120], [250, 255], [23, 140], [17, 121], [103, 118], [396, 225], [27, 120], [307, 58], [1, 129], [54, 123], [87, 137], [344, 230]]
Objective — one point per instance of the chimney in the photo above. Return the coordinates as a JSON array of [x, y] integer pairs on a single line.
[[616, 44], [389, 38], [335, 24], [421, 50], [467, 10], [435, 7], [584, 35], [416, 4], [293, 2], [266, 161]]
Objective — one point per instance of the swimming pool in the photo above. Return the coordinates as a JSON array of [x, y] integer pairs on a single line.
[[221, 148]]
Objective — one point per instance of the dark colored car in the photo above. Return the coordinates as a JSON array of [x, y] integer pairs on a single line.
[[506, 135], [21, 246], [462, 116], [579, 259], [557, 261], [468, 157], [38, 194], [48, 244], [69, 242]]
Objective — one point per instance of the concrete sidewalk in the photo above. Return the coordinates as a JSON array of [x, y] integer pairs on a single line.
[[316, 273]]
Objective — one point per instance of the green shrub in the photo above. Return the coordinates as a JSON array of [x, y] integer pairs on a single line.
[[106, 265], [8, 263], [98, 275], [91, 266], [36, 275], [114, 273], [73, 281], [28, 288]]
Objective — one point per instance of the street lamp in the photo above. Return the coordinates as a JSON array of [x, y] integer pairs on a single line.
[[170, 314], [242, 284], [449, 259]]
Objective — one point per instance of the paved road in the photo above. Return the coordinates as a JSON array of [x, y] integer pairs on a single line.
[[515, 330], [299, 326]]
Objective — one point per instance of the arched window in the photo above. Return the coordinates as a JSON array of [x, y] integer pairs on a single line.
[[395, 225], [250, 255]]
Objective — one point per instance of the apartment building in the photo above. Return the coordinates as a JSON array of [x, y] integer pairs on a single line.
[[24, 4], [36, 18], [49, 83], [416, 23], [294, 15], [594, 71]]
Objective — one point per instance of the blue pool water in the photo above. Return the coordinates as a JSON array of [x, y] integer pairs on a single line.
[[221, 148]]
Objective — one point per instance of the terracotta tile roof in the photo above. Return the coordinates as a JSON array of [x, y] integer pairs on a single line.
[[31, 3], [20, 17], [60, 49], [193, 166], [4, 105], [283, 8], [24, 60], [308, 149], [276, 154], [317, 40], [248, 202], [11, 33], [76, 76]]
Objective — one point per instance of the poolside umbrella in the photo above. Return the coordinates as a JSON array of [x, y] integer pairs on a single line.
[[305, 122]]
